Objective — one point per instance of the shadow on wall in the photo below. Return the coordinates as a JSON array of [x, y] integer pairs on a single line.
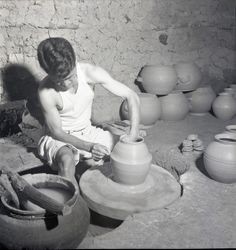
[[20, 84]]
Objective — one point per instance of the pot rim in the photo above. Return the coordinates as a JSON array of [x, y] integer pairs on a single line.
[[231, 128], [226, 138], [139, 140]]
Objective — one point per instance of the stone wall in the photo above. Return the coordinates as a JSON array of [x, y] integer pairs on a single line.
[[124, 35]]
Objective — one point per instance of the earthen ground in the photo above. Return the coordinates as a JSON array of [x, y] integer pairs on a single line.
[[204, 217]]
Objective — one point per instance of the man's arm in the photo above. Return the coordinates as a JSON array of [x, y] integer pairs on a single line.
[[98, 75], [47, 100]]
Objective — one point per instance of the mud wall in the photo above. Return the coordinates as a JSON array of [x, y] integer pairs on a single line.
[[124, 35]]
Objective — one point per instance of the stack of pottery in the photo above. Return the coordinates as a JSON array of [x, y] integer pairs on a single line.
[[224, 106], [150, 109], [220, 158], [130, 161], [174, 106], [189, 76], [200, 100]]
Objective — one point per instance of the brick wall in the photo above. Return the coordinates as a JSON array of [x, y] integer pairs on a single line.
[[124, 35]]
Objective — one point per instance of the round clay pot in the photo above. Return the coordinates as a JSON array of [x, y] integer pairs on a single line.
[[38, 229], [130, 161], [224, 106], [231, 129], [200, 100], [174, 106], [150, 109], [220, 158], [189, 76], [159, 80]]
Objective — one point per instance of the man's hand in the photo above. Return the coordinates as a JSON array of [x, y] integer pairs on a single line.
[[99, 151]]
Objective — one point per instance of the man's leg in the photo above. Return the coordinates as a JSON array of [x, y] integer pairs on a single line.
[[65, 162]]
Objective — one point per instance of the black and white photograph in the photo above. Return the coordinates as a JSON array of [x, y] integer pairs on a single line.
[[117, 124]]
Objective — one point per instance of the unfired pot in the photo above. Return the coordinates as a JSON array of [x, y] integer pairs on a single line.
[[200, 100], [189, 76], [174, 106], [130, 161], [231, 129], [220, 158], [159, 80], [224, 106], [150, 109]]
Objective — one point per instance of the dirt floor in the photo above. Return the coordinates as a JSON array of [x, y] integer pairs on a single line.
[[203, 217]]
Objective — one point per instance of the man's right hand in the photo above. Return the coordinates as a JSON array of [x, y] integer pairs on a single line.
[[99, 151]]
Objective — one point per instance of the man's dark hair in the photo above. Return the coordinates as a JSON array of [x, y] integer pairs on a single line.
[[56, 56]]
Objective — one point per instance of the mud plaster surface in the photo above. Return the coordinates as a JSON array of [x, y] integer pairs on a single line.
[[204, 217]]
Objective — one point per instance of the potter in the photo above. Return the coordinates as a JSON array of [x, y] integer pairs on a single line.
[[66, 95]]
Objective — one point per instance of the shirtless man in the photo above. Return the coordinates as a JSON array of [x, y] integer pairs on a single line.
[[66, 97]]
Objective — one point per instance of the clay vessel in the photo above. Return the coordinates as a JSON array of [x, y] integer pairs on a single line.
[[189, 76], [200, 100], [38, 229], [231, 129], [224, 106], [130, 161], [150, 109], [229, 90], [174, 106], [220, 158], [159, 80]]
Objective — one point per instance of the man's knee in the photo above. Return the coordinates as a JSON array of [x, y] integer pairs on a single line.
[[65, 159]]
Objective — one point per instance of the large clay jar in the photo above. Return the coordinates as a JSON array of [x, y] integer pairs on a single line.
[[130, 161], [159, 80], [150, 109], [189, 76], [224, 106], [37, 229], [174, 106], [220, 158], [200, 100]]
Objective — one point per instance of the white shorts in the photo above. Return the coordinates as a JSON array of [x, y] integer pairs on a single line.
[[48, 147]]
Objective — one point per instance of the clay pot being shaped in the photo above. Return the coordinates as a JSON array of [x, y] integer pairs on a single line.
[[220, 158], [189, 76], [158, 80], [224, 106], [174, 106], [150, 109], [35, 228], [200, 100], [130, 161]]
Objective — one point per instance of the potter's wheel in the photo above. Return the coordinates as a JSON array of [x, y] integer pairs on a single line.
[[117, 201]]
